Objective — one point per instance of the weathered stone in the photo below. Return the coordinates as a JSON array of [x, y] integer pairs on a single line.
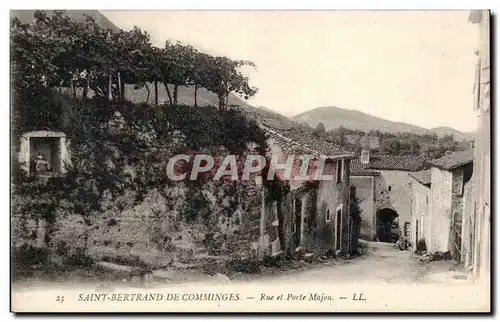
[[116, 267], [222, 278], [309, 257], [164, 274]]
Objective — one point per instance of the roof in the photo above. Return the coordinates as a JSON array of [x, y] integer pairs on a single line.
[[293, 147], [454, 160], [424, 176], [301, 142], [358, 168], [398, 162]]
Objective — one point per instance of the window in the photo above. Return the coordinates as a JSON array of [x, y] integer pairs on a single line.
[[427, 199], [389, 188], [328, 215], [339, 170]]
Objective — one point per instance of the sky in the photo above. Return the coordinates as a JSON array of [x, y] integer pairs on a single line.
[[415, 67]]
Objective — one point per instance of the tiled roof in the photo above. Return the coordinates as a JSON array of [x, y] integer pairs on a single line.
[[301, 142], [398, 162], [454, 160], [361, 169], [424, 176]]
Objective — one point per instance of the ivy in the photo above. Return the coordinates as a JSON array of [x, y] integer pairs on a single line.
[[311, 212]]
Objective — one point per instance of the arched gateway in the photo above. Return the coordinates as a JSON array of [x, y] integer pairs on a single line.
[[385, 223]]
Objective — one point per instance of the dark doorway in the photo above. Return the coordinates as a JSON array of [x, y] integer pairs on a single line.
[[298, 221], [385, 225]]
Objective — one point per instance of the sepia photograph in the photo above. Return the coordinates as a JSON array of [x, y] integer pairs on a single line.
[[250, 161]]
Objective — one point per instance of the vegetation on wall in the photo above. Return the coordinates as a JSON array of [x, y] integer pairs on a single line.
[[355, 216], [311, 217], [71, 77]]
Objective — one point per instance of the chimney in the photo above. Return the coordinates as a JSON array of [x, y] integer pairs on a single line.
[[365, 156]]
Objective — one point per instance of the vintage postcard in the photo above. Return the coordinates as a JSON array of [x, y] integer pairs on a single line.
[[250, 161]]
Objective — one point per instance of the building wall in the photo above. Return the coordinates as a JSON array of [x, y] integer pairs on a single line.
[[482, 177], [468, 224], [460, 183], [320, 234], [399, 196], [365, 191], [482, 157], [420, 211], [440, 213], [375, 195]]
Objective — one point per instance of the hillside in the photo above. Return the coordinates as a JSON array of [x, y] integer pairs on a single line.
[[458, 135], [333, 117], [26, 16]]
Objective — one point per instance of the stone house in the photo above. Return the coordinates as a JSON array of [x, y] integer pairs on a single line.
[[451, 200], [311, 215], [384, 188], [421, 196]]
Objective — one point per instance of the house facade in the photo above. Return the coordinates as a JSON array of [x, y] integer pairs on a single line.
[[312, 216], [420, 212], [385, 191], [451, 198]]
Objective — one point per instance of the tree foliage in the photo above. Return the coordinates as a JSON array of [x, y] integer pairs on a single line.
[[429, 145], [58, 52]]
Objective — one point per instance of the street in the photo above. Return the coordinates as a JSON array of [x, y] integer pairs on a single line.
[[381, 263]]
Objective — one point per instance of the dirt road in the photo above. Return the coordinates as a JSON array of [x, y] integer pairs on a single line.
[[380, 264]]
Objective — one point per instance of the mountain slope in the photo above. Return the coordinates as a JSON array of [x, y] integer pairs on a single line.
[[459, 136], [333, 117]]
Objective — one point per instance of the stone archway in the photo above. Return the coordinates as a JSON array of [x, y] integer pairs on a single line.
[[385, 221]]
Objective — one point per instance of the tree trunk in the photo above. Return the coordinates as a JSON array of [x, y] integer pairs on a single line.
[[176, 91], [196, 96], [221, 102], [149, 93], [110, 94], [168, 93], [227, 100], [87, 87], [156, 92], [119, 78], [72, 86]]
